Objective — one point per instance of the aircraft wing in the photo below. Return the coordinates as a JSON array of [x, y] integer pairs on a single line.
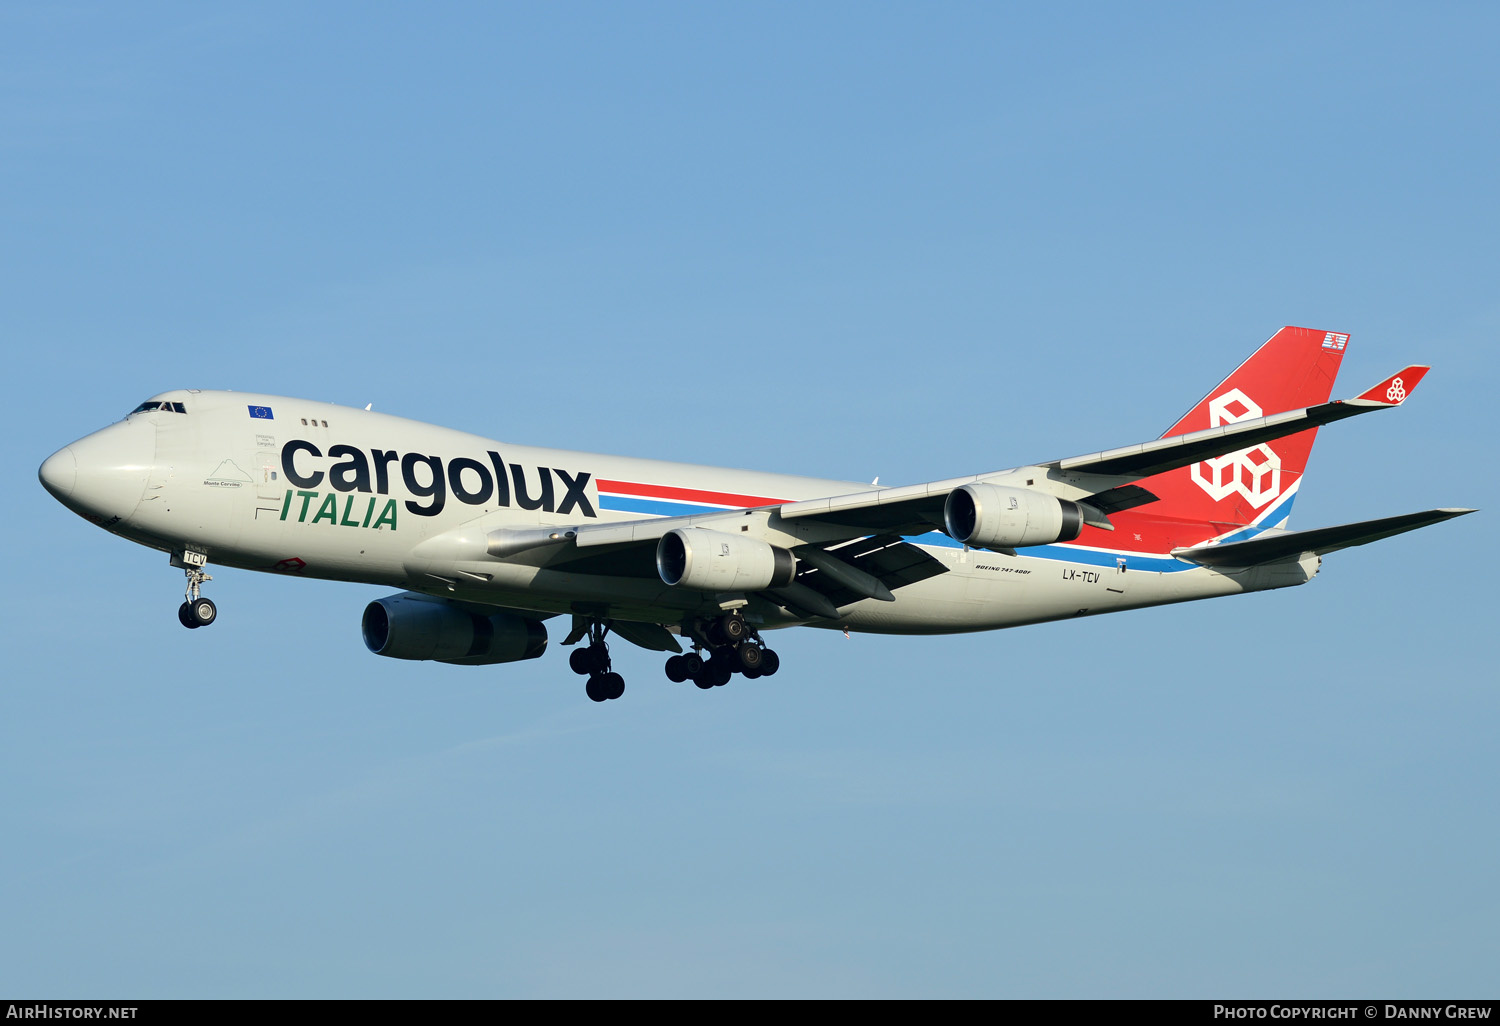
[[1163, 454], [1101, 479]]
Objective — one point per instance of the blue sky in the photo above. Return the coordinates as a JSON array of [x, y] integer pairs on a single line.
[[836, 239]]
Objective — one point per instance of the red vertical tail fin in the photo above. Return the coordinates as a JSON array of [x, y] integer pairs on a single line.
[[1296, 367]]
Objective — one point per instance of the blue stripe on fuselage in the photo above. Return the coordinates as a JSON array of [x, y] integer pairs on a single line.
[[654, 507], [1274, 517]]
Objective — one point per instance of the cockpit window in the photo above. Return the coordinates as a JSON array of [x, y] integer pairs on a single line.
[[164, 407]]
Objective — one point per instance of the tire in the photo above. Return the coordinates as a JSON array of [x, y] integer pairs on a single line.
[[581, 661], [185, 616], [734, 629], [718, 673], [595, 689], [704, 680], [600, 656], [675, 670], [750, 657], [692, 665], [203, 611], [612, 684], [770, 662]]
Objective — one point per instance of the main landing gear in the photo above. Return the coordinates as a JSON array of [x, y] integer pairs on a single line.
[[593, 662], [721, 648], [197, 610], [734, 647]]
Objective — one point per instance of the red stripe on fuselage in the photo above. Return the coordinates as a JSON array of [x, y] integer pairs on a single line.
[[684, 494]]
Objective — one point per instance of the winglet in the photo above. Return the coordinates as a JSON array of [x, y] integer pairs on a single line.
[[1394, 389]]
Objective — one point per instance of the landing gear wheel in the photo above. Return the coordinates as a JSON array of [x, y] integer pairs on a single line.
[[595, 689], [692, 665], [612, 684], [594, 659], [203, 611], [770, 662], [751, 674], [196, 611], [718, 672], [676, 672], [750, 657], [734, 629]]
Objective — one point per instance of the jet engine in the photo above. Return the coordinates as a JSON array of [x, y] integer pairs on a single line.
[[997, 517], [712, 561], [408, 626]]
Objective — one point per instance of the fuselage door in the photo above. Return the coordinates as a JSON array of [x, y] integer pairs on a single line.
[[267, 469]]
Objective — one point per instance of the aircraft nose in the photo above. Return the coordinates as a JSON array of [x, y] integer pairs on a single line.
[[104, 474], [58, 473]]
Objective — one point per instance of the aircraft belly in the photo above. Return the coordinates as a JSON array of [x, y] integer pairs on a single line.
[[984, 591]]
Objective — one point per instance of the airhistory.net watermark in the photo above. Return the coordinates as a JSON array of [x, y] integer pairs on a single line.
[[43, 1010]]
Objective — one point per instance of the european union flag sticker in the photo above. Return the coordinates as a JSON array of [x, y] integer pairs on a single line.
[[261, 413]]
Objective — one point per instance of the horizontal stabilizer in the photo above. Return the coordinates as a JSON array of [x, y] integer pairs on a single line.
[[1394, 389], [1274, 545]]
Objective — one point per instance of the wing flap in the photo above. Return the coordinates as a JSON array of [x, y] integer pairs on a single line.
[[892, 562], [1117, 500]]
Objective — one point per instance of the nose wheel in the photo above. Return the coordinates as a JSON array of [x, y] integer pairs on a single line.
[[198, 610], [199, 613]]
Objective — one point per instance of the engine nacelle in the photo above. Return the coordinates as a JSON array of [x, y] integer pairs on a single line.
[[414, 627], [712, 561], [997, 517]]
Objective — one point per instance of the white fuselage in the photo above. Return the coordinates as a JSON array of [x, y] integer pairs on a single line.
[[311, 489]]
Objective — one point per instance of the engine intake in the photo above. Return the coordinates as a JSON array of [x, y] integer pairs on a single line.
[[997, 517], [711, 561], [415, 627]]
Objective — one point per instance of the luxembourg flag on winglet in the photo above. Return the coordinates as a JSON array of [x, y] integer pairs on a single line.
[[260, 413]]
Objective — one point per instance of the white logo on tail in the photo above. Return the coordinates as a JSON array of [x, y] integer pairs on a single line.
[[1397, 391], [1255, 472]]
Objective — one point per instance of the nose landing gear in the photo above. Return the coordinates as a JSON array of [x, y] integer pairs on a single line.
[[197, 610]]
